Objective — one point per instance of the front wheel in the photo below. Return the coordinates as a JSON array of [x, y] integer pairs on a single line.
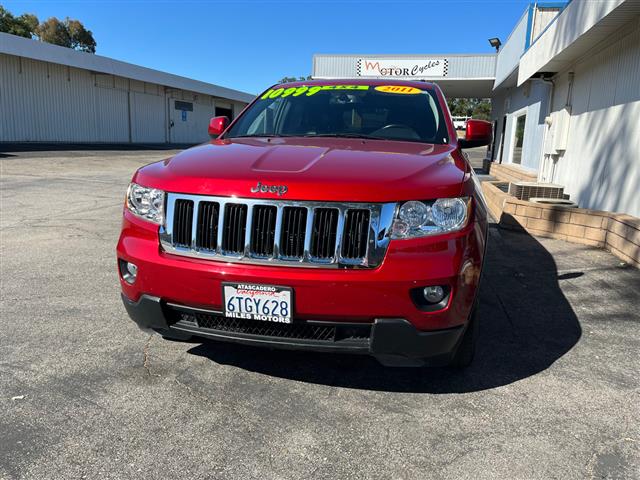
[[467, 348]]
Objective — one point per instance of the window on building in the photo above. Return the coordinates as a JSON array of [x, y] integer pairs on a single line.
[[224, 112], [518, 138]]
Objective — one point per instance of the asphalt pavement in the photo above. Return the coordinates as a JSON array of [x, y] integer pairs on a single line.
[[553, 393]]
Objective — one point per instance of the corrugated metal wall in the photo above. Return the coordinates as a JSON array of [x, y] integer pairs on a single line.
[[148, 118], [600, 168], [46, 102]]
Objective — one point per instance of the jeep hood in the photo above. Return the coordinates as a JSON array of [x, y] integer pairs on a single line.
[[333, 169]]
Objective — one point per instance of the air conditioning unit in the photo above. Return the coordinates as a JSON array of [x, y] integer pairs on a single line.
[[503, 186], [527, 190]]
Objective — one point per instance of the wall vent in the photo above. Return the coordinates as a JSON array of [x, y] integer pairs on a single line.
[[527, 190]]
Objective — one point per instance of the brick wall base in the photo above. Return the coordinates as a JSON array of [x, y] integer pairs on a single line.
[[511, 173], [618, 233]]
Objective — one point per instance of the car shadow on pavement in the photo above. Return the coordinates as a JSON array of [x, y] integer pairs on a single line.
[[526, 324]]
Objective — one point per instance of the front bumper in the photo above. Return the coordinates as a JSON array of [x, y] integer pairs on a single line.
[[323, 294], [393, 341]]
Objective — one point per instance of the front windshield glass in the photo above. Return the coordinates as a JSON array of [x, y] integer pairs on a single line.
[[388, 112]]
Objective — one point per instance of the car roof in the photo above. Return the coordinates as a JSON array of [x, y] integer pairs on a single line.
[[360, 81]]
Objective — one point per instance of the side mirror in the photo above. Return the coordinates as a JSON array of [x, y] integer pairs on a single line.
[[478, 134], [217, 125]]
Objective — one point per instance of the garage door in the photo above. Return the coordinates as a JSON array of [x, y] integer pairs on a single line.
[[147, 118]]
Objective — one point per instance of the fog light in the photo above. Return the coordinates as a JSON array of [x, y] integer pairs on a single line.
[[433, 294], [132, 269], [128, 271]]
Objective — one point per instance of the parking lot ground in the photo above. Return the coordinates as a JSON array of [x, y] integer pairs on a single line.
[[553, 392]]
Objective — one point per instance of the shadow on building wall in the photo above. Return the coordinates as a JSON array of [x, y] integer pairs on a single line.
[[526, 325], [614, 178], [602, 167]]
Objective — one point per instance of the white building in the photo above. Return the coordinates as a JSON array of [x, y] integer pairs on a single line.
[[469, 75], [565, 90], [566, 102], [54, 94]]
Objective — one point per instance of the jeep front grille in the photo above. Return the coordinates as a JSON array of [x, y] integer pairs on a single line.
[[277, 232]]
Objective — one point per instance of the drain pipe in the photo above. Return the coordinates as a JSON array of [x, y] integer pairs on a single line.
[[547, 121]]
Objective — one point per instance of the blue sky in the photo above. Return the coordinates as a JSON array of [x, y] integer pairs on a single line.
[[249, 44]]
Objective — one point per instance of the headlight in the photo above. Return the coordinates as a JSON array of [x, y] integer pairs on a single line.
[[419, 219], [147, 203]]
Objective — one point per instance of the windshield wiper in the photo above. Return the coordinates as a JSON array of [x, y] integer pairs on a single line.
[[312, 135], [253, 135], [346, 135]]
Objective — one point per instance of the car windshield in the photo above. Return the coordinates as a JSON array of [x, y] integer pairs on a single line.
[[384, 112]]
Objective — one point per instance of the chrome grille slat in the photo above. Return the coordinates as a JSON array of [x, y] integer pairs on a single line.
[[308, 229], [277, 232], [222, 208], [248, 224]]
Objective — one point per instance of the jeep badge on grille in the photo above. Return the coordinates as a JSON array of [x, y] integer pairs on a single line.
[[263, 188]]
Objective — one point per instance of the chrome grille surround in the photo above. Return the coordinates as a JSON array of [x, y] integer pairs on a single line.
[[379, 232]]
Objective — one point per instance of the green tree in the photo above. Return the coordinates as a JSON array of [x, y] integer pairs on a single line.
[[294, 79], [68, 33], [29, 23], [54, 31], [479, 108], [482, 110], [81, 38], [24, 26]]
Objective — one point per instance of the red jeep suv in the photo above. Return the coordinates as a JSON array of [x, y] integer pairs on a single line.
[[334, 216]]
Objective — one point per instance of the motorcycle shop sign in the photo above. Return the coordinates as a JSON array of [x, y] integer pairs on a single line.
[[402, 67]]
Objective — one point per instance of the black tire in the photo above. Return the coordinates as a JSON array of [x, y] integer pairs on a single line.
[[467, 348]]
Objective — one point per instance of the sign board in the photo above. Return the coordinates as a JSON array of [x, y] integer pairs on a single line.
[[184, 106], [184, 115], [402, 67]]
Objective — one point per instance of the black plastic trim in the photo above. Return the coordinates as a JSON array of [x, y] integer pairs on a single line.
[[393, 341], [146, 312], [398, 337]]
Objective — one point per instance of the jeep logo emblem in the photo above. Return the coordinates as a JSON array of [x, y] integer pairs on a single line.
[[262, 188]]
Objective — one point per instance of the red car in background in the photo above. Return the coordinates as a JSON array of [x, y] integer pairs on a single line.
[[334, 216]]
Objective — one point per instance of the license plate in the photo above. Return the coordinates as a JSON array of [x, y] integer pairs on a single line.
[[257, 302]]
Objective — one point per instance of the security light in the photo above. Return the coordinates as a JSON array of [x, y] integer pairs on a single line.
[[495, 43]]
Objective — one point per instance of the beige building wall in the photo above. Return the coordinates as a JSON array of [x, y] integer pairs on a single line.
[[49, 102]]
